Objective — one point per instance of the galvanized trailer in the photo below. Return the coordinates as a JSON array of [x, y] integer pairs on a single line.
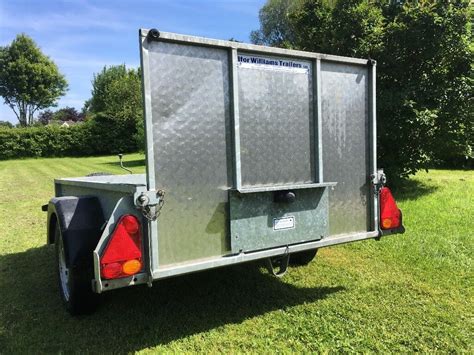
[[252, 153]]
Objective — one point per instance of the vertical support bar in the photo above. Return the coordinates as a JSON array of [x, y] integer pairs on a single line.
[[152, 230], [146, 93], [317, 107], [234, 111], [373, 138]]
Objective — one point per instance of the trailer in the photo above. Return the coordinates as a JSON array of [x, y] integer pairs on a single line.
[[252, 153]]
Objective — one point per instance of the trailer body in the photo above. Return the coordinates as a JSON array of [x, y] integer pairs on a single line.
[[251, 153]]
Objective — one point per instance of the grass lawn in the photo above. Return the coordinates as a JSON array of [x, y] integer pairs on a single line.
[[412, 292]]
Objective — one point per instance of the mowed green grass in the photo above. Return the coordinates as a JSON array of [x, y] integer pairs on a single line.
[[405, 293]]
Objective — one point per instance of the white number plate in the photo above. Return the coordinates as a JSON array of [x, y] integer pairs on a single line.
[[283, 223]]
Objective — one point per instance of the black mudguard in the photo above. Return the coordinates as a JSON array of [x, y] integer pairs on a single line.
[[81, 221]]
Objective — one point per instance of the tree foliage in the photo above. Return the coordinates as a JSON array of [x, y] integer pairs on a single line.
[[45, 117], [424, 70], [117, 95], [424, 74], [68, 114], [278, 26], [64, 114], [29, 80], [310, 23], [116, 92], [275, 28]]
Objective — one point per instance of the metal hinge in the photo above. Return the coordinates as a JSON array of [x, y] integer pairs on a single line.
[[378, 181], [150, 203]]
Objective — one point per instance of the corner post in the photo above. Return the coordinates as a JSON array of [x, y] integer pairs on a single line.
[[372, 67]]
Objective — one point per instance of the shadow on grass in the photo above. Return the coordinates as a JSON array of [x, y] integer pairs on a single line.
[[410, 189], [137, 317], [127, 163]]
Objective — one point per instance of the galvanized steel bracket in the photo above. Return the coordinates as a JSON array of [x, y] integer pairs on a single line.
[[378, 181], [278, 266], [150, 203]]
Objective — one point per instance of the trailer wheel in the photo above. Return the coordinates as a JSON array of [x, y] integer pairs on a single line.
[[74, 282], [303, 257]]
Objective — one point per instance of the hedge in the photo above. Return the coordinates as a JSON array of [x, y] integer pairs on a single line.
[[95, 137]]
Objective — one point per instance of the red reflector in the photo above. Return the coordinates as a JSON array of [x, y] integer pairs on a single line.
[[389, 212], [131, 224], [124, 245], [112, 271]]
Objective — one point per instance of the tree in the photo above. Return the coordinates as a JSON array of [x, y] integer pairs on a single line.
[[68, 114], [278, 27], [423, 64], [64, 114], [29, 80], [116, 92], [275, 28], [117, 95], [311, 23], [424, 73], [45, 117], [453, 136], [356, 29]]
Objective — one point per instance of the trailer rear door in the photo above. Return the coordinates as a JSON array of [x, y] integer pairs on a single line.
[[228, 125]]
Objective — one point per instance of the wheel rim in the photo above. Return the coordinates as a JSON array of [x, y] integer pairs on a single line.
[[63, 270]]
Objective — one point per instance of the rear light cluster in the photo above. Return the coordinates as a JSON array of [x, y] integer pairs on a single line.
[[390, 215], [123, 254]]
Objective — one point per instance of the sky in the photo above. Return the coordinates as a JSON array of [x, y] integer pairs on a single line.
[[83, 36]]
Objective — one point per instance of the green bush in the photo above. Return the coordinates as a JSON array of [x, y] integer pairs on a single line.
[[100, 135], [105, 135]]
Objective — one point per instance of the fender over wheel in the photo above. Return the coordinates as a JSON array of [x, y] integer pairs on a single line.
[[75, 281]]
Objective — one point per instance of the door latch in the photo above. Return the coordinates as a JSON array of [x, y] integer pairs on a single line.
[[150, 203], [378, 181]]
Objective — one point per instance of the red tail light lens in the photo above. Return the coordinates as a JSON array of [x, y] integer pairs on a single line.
[[111, 271], [389, 212], [123, 255]]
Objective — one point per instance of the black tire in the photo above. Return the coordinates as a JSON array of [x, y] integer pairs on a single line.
[[303, 258], [99, 174], [75, 282]]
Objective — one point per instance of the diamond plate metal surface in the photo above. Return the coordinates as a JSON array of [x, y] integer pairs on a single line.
[[190, 96], [346, 145], [251, 219], [276, 126], [191, 132]]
